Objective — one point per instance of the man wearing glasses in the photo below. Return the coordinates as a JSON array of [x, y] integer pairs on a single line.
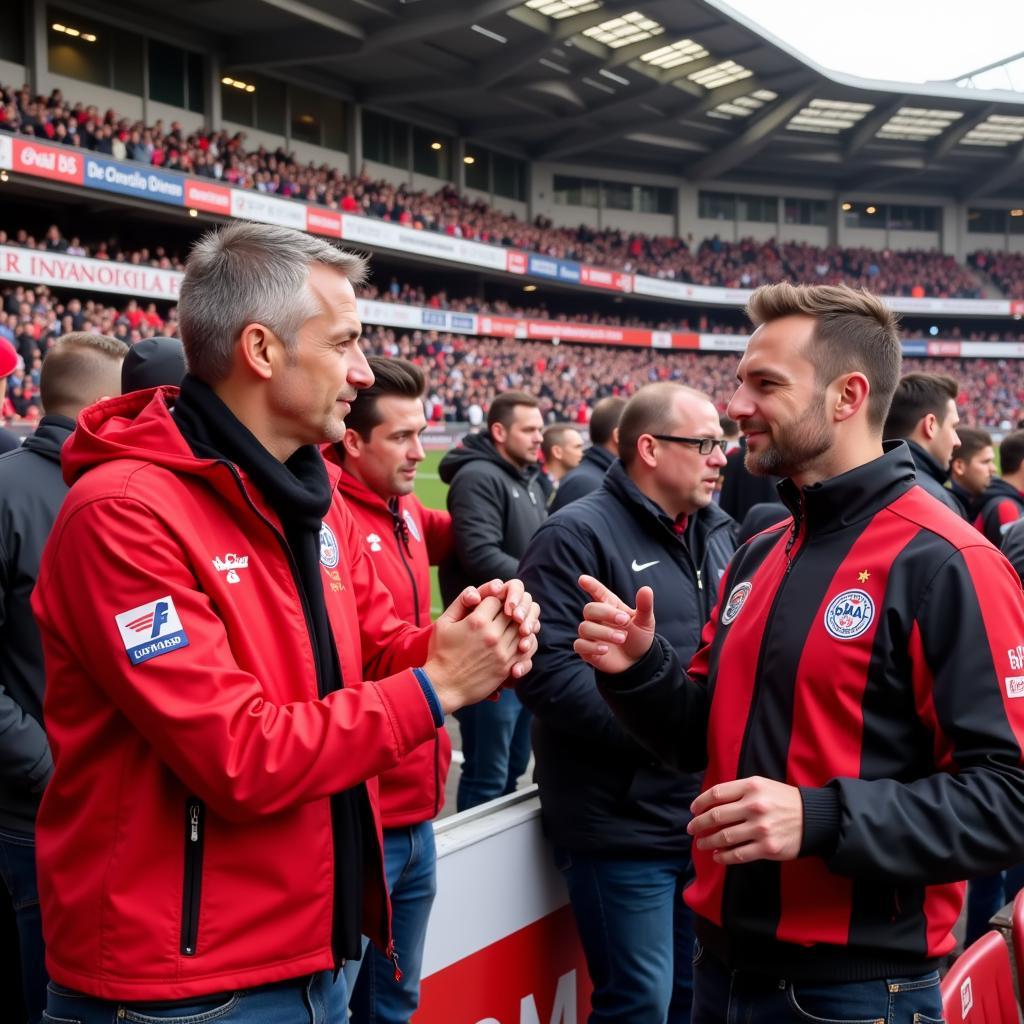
[[617, 819]]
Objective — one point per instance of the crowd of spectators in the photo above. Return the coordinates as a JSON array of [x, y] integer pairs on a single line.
[[1005, 269], [54, 240], [225, 156]]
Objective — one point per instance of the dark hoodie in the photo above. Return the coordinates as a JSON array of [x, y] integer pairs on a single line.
[[932, 477], [586, 477], [32, 491], [495, 509], [998, 509]]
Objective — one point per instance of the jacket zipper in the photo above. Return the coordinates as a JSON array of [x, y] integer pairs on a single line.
[[192, 888], [798, 529]]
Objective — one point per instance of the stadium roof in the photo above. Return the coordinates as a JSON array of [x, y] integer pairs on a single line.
[[685, 87]]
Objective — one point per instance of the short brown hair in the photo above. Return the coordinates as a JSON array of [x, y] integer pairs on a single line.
[[605, 419], [72, 373], [855, 333], [554, 435], [503, 408], [396, 377], [1011, 452], [972, 441], [917, 395], [649, 411]]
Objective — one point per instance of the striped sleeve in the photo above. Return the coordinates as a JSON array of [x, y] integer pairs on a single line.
[[965, 816]]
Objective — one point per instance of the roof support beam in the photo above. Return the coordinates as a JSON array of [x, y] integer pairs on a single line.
[[868, 127], [956, 131], [1009, 172]]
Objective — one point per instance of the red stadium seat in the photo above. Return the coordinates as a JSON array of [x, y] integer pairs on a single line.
[[1018, 936], [979, 987]]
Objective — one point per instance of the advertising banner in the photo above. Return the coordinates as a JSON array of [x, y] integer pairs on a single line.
[[613, 280], [248, 204], [6, 151], [201, 194], [36, 266], [323, 222], [136, 180], [57, 163], [422, 243]]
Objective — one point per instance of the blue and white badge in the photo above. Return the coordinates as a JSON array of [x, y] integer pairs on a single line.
[[150, 630], [849, 614], [410, 522], [329, 551]]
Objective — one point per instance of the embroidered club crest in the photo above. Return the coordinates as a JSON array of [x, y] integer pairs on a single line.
[[735, 602], [849, 614]]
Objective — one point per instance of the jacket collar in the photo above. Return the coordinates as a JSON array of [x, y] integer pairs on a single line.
[[49, 437], [619, 483], [925, 462], [854, 495], [599, 456]]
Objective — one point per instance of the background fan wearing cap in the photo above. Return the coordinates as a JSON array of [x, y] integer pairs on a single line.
[[8, 364]]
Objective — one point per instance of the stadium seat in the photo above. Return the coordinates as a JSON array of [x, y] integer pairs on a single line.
[[979, 986], [1018, 936]]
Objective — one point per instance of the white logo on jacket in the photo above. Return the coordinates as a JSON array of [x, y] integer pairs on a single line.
[[374, 541], [330, 554], [410, 522], [151, 629], [230, 564], [849, 614], [735, 601]]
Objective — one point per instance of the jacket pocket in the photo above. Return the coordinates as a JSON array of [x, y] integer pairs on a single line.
[[193, 882]]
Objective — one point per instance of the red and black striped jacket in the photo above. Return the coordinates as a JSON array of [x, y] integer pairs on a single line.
[[998, 509], [870, 651]]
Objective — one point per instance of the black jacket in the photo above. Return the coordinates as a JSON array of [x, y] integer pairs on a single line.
[[1013, 546], [586, 477], [495, 510], [932, 477], [600, 791], [741, 489], [32, 491], [868, 651], [998, 509]]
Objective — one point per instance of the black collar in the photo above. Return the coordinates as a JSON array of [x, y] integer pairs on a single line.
[[926, 463], [854, 495]]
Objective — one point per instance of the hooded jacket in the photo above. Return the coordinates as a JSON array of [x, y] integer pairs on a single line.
[[601, 792], [999, 508], [184, 843], [495, 508], [403, 539], [932, 477], [31, 493], [586, 477]]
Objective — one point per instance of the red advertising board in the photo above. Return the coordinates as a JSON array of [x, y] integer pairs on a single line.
[[201, 195], [944, 348], [536, 975], [594, 334], [54, 162], [323, 222], [517, 261], [613, 280]]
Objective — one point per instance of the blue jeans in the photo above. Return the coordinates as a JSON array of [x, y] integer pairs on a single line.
[[410, 861], [986, 896], [496, 747], [721, 996], [18, 871], [637, 936], [310, 1000]]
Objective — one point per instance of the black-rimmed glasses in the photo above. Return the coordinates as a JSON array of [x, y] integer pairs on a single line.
[[704, 445]]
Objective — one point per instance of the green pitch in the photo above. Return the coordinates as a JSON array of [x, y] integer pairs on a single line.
[[432, 493]]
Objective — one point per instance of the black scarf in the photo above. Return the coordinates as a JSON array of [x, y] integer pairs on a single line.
[[299, 491]]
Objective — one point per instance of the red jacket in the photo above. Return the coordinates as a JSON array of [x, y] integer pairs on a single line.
[[184, 844], [412, 792]]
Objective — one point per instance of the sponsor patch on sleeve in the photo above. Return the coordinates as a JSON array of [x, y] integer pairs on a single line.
[[1014, 686], [150, 630]]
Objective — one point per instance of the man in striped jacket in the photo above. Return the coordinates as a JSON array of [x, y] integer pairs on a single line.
[[858, 701]]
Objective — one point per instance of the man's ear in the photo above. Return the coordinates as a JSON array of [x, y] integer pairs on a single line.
[[259, 350], [352, 442], [851, 395]]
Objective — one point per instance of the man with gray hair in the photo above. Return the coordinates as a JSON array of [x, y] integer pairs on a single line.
[[80, 369], [209, 846]]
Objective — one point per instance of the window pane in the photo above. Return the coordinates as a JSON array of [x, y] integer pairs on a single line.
[[166, 73], [431, 153], [986, 221], [307, 118], [763, 209], [237, 104], [572, 191], [1015, 222], [85, 56], [270, 103], [717, 206], [12, 39], [127, 48], [385, 140], [509, 177], [865, 215], [194, 80], [652, 199], [617, 196], [479, 171]]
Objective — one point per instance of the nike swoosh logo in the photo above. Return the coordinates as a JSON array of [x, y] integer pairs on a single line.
[[646, 565]]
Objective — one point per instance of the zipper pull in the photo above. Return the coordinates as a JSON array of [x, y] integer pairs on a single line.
[[393, 954], [700, 582], [194, 817]]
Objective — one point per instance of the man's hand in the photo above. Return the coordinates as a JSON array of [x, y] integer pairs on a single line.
[[475, 646], [613, 636], [517, 604], [749, 819]]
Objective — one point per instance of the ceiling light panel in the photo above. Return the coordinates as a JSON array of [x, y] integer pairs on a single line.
[[918, 124], [720, 74], [997, 130], [558, 9], [630, 28], [744, 106], [828, 117], [675, 55]]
